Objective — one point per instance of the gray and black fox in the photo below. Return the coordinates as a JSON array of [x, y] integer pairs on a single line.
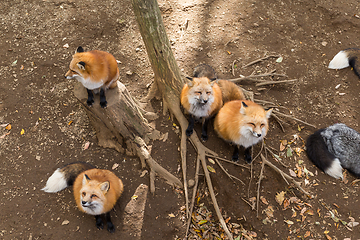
[[333, 148], [346, 58]]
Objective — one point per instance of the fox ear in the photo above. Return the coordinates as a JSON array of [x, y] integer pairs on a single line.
[[85, 179], [81, 65], [105, 186], [268, 113], [190, 84], [79, 50], [242, 109]]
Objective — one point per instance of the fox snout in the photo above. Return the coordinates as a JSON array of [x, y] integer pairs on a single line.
[[257, 134]]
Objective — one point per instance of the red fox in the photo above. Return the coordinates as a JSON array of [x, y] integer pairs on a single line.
[[201, 99], [243, 123], [95, 190], [229, 90], [346, 58], [96, 70]]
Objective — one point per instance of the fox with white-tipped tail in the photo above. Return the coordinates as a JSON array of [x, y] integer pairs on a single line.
[[333, 148], [346, 58], [95, 190]]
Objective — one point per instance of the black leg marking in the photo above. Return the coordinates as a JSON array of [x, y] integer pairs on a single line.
[[90, 99], [248, 157], [103, 101], [235, 156], [110, 225], [204, 135], [190, 128], [99, 222]]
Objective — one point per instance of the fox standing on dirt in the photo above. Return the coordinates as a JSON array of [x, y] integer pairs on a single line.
[[243, 123], [96, 70], [346, 58], [201, 99], [333, 148], [95, 190], [200, 102]]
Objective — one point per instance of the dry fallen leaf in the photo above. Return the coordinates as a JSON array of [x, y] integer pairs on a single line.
[[171, 215], [211, 160], [288, 222], [22, 131], [65, 222], [280, 197], [264, 200], [211, 169], [269, 211], [114, 166], [86, 146], [8, 127], [307, 234], [286, 204]]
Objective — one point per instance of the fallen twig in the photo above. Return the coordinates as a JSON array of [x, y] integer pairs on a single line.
[[261, 59], [274, 82], [253, 77], [291, 117]]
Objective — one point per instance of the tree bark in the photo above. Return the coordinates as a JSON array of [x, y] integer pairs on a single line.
[[168, 83]]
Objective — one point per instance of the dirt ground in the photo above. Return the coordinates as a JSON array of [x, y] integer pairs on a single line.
[[49, 127]]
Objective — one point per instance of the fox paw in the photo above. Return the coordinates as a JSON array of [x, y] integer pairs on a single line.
[[235, 158], [204, 137], [103, 104], [189, 132], [248, 158], [110, 227], [90, 102], [99, 223]]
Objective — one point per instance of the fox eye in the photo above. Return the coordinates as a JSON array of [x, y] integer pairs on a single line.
[[252, 124], [93, 196], [262, 125], [208, 93], [83, 194]]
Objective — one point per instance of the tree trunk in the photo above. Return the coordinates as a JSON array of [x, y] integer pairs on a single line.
[[168, 84]]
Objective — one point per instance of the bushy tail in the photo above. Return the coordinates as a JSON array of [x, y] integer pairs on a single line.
[[346, 58], [65, 176], [319, 154]]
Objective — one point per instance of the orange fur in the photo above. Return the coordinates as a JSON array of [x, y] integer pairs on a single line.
[[100, 67], [240, 125], [93, 187], [230, 91], [201, 88]]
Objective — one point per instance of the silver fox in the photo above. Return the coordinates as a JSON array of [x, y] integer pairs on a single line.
[[334, 148]]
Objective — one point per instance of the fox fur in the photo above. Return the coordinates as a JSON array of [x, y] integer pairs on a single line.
[[333, 148], [346, 58], [96, 70], [242, 123], [95, 190]]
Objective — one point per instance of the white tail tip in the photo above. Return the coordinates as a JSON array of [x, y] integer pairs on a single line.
[[339, 61], [335, 170], [56, 182]]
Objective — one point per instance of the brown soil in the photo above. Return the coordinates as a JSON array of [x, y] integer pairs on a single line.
[[35, 97]]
